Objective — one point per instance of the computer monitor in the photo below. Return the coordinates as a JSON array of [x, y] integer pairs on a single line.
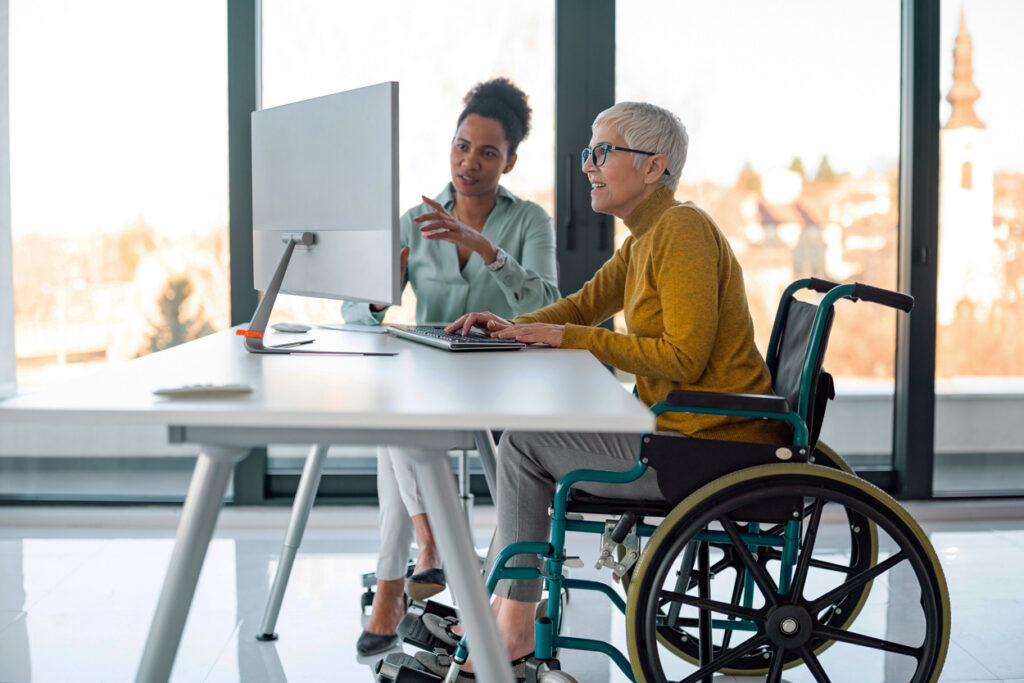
[[325, 187]]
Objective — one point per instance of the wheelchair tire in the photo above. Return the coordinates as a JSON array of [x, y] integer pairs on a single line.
[[912, 562], [863, 553]]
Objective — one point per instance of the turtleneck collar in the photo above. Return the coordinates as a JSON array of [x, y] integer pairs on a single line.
[[644, 216]]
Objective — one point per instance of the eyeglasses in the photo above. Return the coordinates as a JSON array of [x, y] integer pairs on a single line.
[[599, 153]]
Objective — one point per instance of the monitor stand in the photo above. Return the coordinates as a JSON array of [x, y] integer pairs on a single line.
[[258, 326]]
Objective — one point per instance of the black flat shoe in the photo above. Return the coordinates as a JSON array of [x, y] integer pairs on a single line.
[[426, 583], [375, 643]]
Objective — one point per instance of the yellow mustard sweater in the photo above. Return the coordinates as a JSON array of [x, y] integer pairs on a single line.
[[688, 326]]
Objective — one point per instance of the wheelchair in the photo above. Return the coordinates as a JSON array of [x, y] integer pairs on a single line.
[[767, 557]]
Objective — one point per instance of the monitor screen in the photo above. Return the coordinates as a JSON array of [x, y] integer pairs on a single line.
[[329, 166]]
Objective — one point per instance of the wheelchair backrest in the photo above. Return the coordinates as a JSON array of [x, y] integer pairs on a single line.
[[786, 361]]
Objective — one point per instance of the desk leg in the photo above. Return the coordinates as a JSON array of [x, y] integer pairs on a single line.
[[304, 497], [487, 451], [455, 542], [198, 518]]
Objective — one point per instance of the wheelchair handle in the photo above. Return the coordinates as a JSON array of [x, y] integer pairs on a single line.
[[877, 295], [822, 285]]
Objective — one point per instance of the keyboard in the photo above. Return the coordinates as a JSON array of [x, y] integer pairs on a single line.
[[436, 336]]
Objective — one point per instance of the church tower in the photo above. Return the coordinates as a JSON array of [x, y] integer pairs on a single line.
[[969, 264]]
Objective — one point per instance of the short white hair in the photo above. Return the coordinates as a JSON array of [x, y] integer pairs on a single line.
[[653, 129]]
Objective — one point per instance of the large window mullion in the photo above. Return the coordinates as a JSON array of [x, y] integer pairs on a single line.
[[585, 86], [913, 435], [243, 67], [242, 70]]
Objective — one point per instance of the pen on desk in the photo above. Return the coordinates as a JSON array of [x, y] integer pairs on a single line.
[[346, 353], [294, 343]]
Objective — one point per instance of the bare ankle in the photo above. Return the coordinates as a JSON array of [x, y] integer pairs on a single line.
[[428, 557], [388, 607]]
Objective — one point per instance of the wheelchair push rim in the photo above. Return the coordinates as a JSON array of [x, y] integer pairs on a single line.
[[795, 622]]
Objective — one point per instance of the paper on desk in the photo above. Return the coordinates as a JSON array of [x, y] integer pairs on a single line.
[[352, 327]]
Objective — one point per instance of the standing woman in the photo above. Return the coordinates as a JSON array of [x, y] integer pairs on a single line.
[[475, 246]]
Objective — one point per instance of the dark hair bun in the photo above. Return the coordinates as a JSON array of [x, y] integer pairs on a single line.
[[501, 99]]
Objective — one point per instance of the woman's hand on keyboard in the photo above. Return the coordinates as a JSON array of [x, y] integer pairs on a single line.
[[533, 333], [487, 321]]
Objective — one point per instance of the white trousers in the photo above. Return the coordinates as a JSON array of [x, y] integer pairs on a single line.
[[400, 499]]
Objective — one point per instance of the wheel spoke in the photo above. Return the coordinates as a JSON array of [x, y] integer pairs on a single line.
[[713, 605], [811, 660], [742, 650], [869, 641], [773, 554], [760, 576], [804, 561], [737, 595], [856, 582], [775, 669]]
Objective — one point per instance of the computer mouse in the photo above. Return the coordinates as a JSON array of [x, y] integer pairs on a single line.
[[291, 327]]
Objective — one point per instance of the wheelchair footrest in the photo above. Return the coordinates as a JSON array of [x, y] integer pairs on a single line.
[[412, 630], [399, 667]]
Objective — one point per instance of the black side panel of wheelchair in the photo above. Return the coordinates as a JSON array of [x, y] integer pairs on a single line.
[[685, 465]]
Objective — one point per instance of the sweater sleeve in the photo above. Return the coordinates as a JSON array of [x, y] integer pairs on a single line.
[[359, 312], [684, 260], [599, 299], [532, 282]]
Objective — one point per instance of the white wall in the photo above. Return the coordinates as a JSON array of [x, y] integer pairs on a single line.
[[7, 376]]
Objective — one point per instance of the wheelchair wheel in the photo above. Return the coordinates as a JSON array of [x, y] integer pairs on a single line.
[[782, 629], [851, 554]]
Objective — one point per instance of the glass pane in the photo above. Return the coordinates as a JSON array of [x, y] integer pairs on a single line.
[[436, 51], [118, 140], [801, 179], [118, 180], [980, 337]]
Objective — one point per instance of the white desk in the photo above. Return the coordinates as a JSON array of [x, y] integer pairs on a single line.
[[424, 397]]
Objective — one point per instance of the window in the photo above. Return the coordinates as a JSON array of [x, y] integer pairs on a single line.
[[979, 367], [436, 51], [118, 180], [118, 144], [802, 180]]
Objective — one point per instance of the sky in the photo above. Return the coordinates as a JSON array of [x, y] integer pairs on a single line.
[[118, 107]]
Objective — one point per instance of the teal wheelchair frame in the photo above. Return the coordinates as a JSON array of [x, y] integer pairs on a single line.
[[772, 484]]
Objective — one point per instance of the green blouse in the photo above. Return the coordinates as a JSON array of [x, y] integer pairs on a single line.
[[526, 282]]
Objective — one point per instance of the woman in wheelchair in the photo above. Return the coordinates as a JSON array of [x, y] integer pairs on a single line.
[[688, 327], [736, 579]]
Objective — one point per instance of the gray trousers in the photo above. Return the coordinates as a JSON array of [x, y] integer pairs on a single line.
[[529, 466]]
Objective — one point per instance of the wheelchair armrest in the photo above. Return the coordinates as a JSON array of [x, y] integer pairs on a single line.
[[768, 405]]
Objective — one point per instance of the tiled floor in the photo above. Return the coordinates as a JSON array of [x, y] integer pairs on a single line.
[[78, 587]]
